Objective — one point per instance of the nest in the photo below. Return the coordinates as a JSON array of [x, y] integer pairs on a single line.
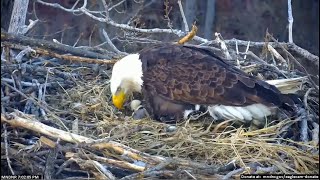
[[63, 125]]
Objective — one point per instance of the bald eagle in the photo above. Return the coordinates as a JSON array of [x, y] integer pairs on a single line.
[[178, 79]]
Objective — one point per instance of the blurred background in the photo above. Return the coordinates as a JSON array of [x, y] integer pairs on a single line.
[[241, 19]]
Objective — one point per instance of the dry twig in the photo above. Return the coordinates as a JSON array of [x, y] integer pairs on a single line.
[[189, 36], [223, 46], [6, 149], [296, 62]]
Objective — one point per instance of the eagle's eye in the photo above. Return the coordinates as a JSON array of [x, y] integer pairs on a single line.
[[118, 89]]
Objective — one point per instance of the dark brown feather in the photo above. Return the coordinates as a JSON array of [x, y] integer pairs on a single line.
[[191, 75]]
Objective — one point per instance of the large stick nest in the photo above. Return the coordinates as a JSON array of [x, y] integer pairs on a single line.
[[77, 98]]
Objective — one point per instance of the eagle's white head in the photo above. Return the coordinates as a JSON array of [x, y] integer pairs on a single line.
[[126, 78]]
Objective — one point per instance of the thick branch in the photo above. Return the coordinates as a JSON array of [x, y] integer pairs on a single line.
[[60, 56], [39, 43], [304, 53], [18, 17], [18, 119]]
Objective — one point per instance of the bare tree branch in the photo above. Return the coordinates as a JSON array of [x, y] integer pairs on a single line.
[[209, 20], [109, 21], [43, 44], [186, 27], [290, 20], [116, 5], [57, 5], [296, 62], [18, 16], [109, 42]]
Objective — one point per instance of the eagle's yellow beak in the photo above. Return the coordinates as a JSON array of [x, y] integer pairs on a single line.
[[118, 99]]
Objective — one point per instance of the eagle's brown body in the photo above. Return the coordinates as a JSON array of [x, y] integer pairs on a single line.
[[176, 78]]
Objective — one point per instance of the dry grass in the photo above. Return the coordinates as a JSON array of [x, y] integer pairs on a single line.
[[201, 141]]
